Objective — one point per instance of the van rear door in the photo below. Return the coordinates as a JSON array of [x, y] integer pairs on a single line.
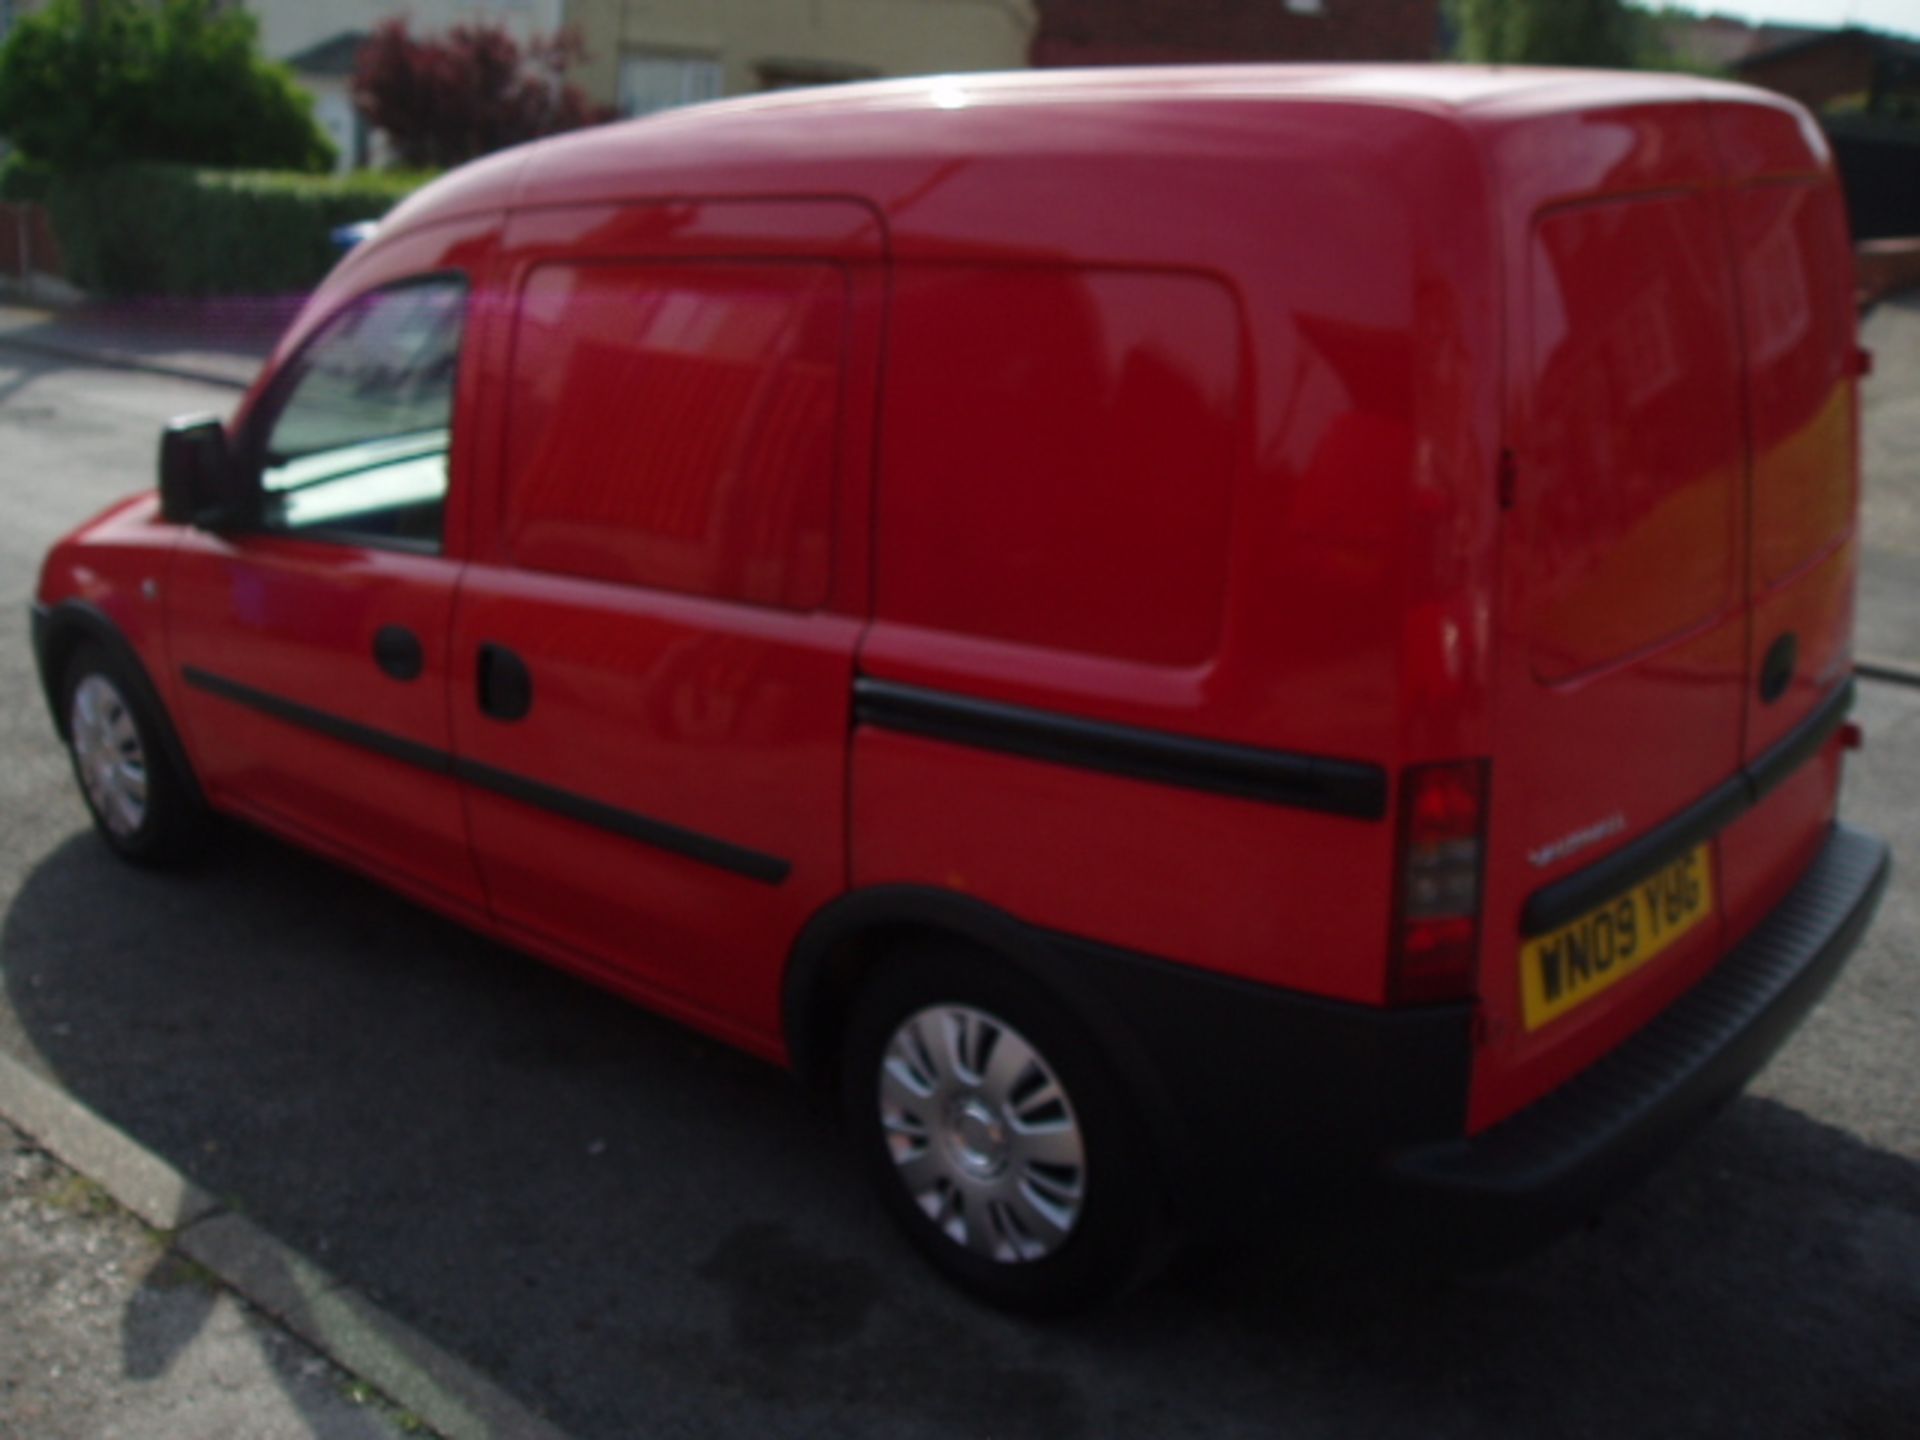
[[1624, 644], [1677, 572], [1794, 272]]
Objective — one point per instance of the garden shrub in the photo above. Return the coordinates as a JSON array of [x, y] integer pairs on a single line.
[[151, 229]]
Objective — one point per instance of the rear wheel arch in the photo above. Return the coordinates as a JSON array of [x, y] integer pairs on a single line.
[[871, 970], [850, 940]]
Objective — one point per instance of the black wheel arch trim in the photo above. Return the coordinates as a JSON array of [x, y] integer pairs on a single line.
[[55, 625], [812, 1005], [1234, 1079], [863, 914]]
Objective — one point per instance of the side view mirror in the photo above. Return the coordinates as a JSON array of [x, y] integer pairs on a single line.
[[199, 482]]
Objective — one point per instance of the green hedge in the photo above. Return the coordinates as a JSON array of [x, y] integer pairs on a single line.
[[24, 179], [173, 230]]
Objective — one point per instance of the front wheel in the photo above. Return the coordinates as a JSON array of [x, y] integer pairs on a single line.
[[997, 1135], [140, 803]]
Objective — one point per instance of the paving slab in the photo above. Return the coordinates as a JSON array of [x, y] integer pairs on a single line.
[[132, 1215], [106, 1333]]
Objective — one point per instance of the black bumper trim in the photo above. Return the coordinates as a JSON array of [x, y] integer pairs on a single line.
[[1560, 1157], [1566, 900], [1259, 1093]]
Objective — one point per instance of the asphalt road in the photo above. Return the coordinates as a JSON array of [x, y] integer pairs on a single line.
[[639, 1233], [1889, 622]]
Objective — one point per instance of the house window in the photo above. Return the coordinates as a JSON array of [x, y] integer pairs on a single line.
[[660, 82]]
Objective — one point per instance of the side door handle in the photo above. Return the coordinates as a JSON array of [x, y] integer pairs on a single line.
[[505, 685], [396, 650]]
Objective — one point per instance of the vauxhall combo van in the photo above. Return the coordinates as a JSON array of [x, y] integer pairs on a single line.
[[1169, 637]]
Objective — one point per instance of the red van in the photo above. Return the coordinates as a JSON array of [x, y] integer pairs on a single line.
[[1172, 634]]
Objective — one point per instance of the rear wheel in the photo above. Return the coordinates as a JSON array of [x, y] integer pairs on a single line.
[[996, 1134], [140, 803]]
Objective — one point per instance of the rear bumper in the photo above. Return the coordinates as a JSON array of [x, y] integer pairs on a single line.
[[1556, 1161]]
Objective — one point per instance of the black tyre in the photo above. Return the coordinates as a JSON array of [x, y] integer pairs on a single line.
[[997, 1135], [143, 807]]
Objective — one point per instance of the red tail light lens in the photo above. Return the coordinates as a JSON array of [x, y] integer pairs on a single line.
[[1443, 821]]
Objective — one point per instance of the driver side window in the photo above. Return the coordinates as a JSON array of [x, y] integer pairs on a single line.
[[358, 448]]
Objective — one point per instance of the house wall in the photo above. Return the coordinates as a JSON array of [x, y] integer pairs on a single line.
[[1129, 32], [290, 26], [755, 42]]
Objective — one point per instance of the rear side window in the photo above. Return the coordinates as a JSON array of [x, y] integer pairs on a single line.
[[675, 425], [1059, 458], [357, 450]]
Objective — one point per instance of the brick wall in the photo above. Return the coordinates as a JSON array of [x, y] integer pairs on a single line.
[[1127, 32]]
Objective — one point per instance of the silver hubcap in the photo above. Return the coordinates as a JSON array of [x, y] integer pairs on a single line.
[[112, 764], [984, 1135]]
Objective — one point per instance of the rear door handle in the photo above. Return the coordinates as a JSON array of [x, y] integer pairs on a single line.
[[396, 650], [505, 685]]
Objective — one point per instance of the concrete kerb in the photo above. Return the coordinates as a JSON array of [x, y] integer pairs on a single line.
[[345, 1326]]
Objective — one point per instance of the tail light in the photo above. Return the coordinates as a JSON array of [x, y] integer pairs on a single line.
[[1436, 941]]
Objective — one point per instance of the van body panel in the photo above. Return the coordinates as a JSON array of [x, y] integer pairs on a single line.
[[1354, 395], [1103, 503], [1330, 377], [1134, 376], [723, 722], [689, 641], [1155, 868]]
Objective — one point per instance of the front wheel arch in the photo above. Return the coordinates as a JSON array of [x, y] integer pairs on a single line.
[[73, 624]]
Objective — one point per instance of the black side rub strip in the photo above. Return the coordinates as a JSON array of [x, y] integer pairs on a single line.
[[1564, 901], [1339, 787], [407, 752], [723, 855]]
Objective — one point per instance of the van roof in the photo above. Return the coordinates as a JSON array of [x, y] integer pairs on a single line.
[[796, 141]]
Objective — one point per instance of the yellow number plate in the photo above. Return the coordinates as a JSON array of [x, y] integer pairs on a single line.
[[1576, 962]]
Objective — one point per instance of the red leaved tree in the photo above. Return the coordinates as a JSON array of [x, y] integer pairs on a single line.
[[445, 99]]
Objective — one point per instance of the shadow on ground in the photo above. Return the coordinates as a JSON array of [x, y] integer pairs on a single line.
[[636, 1231]]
